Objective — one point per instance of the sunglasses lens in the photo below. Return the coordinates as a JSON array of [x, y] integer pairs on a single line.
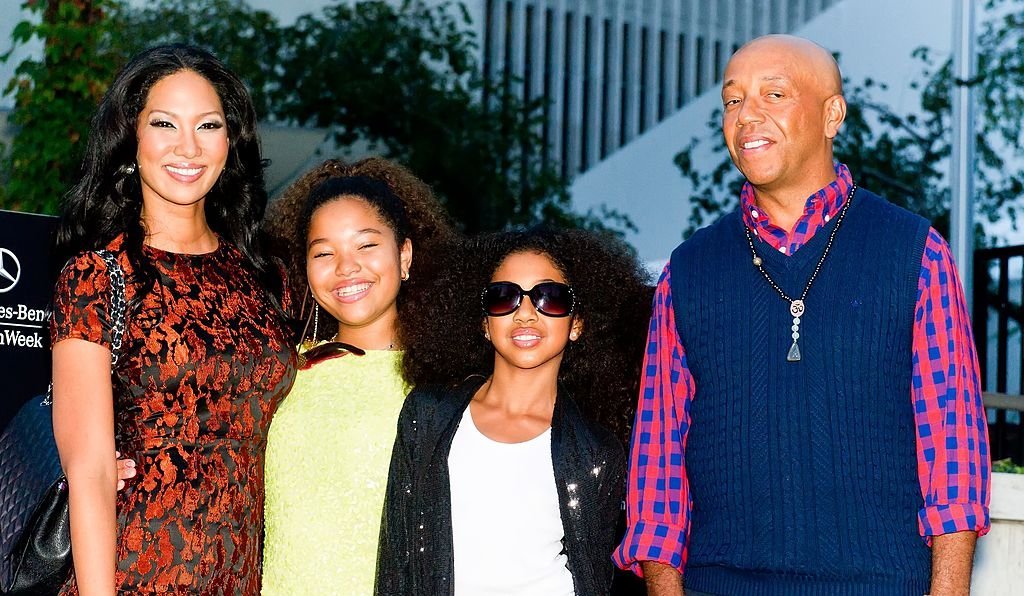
[[552, 299], [500, 299]]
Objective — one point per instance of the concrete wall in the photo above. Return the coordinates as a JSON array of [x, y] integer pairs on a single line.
[[999, 560]]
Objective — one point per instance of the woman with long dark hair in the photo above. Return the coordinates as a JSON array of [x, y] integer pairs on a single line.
[[172, 188]]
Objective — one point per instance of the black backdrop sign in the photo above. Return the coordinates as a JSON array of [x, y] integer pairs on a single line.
[[26, 285]]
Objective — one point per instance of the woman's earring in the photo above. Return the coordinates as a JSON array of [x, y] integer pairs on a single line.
[[405, 276], [128, 169], [487, 335], [316, 320], [312, 319]]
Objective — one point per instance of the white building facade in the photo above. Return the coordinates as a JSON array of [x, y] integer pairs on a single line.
[[609, 70]]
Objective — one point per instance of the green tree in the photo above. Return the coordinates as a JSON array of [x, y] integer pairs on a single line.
[[249, 41], [904, 157], [404, 77], [54, 98]]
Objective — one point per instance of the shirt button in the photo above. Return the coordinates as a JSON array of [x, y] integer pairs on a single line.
[[827, 217], [753, 213], [782, 249]]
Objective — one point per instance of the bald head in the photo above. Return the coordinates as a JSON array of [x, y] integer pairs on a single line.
[[782, 106], [803, 55]]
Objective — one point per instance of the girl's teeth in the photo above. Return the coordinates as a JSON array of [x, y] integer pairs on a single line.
[[353, 290]]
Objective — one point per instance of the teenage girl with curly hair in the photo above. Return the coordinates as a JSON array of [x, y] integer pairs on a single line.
[[502, 480], [370, 236]]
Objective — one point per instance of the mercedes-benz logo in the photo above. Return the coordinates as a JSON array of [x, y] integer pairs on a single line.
[[10, 270]]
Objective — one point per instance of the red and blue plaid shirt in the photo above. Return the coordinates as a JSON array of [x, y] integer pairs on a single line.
[[952, 432]]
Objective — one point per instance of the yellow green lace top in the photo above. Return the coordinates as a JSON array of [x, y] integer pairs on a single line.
[[328, 454]]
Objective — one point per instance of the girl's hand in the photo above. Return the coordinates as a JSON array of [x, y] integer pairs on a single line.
[[125, 469]]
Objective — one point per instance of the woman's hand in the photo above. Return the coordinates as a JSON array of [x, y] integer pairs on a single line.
[[125, 469]]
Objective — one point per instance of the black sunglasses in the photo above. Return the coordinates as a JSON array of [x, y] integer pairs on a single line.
[[326, 351], [550, 298]]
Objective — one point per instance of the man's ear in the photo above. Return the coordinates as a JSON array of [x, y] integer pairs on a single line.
[[835, 115]]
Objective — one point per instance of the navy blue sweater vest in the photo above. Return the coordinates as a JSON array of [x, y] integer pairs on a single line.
[[804, 474]]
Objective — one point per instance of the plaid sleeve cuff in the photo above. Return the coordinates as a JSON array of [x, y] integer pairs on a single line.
[[653, 542], [953, 517]]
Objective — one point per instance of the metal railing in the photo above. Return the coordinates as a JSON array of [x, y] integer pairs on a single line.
[[998, 322]]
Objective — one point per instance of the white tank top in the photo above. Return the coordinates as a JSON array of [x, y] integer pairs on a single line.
[[505, 520]]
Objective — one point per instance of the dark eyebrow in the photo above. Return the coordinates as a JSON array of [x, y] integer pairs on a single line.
[[731, 82], [172, 114], [362, 231]]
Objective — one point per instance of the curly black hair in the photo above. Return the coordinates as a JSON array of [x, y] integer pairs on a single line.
[[426, 224], [601, 370], [107, 201]]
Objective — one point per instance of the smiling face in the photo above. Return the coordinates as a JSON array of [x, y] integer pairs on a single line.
[[782, 106], [182, 141], [527, 339], [354, 266]]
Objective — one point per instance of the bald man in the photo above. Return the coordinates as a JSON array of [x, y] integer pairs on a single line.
[[810, 419]]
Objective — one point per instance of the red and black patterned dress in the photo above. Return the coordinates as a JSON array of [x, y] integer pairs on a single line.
[[205, 363]]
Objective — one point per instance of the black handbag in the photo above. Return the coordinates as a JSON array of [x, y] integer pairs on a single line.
[[42, 555], [40, 559]]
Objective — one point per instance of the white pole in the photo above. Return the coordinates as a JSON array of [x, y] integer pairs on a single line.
[[961, 221]]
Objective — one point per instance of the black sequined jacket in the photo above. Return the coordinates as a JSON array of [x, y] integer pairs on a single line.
[[415, 556]]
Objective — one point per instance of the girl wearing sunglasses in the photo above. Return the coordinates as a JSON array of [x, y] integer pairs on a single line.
[[503, 479]]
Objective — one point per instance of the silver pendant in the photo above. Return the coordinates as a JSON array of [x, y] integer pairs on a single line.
[[794, 353], [796, 308]]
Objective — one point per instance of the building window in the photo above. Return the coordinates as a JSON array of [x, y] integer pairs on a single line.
[[488, 47], [528, 57], [681, 72], [645, 83], [506, 59], [624, 85], [588, 74], [549, 75], [567, 93], [606, 75], [528, 96], [663, 99], [700, 65]]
